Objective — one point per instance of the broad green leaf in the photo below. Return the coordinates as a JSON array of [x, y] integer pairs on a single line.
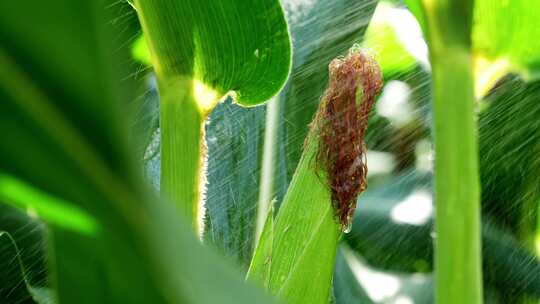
[[202, 51], [234, 139], [53, 210], [61, 115], [385, 35], [509, 132], [305, 237], [261, 263], [240, 46], [504, 40]]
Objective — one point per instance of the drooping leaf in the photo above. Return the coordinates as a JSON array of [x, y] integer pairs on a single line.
[[250, 38], [388, 33], [53, 210]]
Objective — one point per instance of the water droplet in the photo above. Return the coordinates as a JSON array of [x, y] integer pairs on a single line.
[[347, 228]]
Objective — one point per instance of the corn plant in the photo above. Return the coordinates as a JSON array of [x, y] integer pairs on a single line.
[[182, 151]]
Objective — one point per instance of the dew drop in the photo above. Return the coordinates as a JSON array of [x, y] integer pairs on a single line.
[[347, 228]]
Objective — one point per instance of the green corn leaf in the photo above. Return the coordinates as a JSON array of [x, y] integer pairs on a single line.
[[261, 263], [512, 159], [501, 40], [54, 210], [383, 37], [234, 135], [234, 139], [304, 240], [250, 38], [61, 115]]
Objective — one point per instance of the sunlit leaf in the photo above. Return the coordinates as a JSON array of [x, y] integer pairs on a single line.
[[54, 210], [250, 38], [502, 40], [504, 36], [390, 32]]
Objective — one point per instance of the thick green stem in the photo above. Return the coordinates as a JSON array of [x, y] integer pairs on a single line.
[[457, 190], [184, 103], [458, 264], [182, 149]]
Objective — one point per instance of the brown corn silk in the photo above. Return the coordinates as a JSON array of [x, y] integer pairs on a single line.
[[341, 122]]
